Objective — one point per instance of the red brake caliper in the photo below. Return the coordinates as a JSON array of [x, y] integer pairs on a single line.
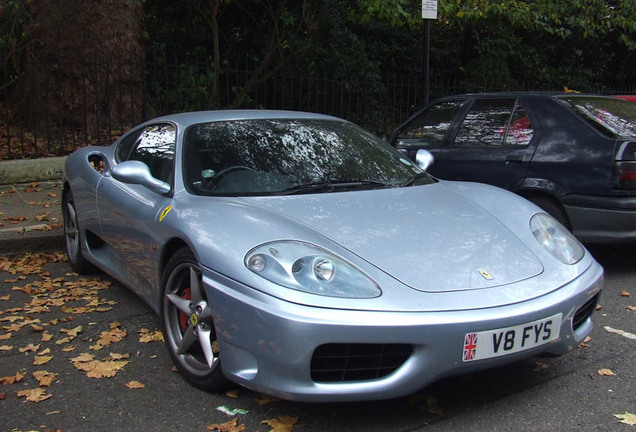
[[183, 318]]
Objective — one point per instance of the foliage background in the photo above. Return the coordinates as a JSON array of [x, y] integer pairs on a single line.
[[82, 64]]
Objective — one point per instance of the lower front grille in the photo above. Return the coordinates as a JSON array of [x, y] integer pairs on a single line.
[[357, 362], [584, 312]]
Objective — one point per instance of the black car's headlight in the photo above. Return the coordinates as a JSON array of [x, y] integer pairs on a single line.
[[556, 239], [309, 268]]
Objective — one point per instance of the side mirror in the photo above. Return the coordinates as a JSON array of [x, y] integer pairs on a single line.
[[424, 159], [137, 172]]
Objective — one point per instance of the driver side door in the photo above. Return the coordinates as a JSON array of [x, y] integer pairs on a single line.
[[127, 212]]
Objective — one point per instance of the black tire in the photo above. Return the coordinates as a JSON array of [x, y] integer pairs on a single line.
[[73, 237], [553, 208], [188, 326]]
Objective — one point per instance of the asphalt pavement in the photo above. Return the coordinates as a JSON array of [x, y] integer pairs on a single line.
[[82, 354]]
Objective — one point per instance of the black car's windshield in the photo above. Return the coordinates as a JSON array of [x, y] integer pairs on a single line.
[[613, 116], [289, 156]]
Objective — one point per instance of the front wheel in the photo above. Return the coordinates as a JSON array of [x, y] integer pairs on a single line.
[[188, 325], [72, 236]]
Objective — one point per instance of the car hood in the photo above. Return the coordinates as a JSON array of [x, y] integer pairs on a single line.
[[430, 238]]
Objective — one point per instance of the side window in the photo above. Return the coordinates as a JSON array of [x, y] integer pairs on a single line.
[[155, 147], [520, 132], [125, 145], [429, 128], [486, 123]]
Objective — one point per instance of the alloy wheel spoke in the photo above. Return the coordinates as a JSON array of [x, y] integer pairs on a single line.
[[189, 337], [183, 305], [206, 345], [195, 287]]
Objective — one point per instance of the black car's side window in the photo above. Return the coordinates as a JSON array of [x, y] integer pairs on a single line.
[[495, 122], [430, 127], [155, 146]]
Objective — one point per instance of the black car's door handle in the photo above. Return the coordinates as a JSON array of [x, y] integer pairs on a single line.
[[514, 158]]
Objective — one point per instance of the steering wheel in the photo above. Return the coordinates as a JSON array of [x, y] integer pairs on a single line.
[[214, 181]]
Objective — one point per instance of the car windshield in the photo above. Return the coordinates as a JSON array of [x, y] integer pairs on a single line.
[[613, 116], [288, 156]]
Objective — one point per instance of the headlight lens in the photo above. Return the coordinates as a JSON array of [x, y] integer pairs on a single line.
[[556, 239], [309, 268]]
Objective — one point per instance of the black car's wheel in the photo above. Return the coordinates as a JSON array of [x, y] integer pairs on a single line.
[[72, 236], [553, 208], [188, 325]]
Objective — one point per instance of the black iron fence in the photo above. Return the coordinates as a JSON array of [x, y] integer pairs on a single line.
[[55, 109]]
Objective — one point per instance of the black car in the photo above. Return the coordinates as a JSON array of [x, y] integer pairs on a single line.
[[574, 155]]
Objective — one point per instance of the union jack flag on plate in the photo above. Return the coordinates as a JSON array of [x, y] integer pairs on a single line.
[[470, 346]]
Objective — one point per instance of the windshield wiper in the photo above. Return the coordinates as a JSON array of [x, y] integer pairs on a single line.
[[330, 186], [415, 178]]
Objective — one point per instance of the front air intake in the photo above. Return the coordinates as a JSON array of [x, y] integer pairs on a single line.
[[357, 362]]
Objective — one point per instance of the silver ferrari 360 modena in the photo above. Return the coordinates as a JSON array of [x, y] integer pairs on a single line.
[[299, 255]]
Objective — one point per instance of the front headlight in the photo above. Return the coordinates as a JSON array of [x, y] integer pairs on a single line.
[[556, 239], [309, 268]]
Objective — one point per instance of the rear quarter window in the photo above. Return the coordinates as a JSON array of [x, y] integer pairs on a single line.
[[612, 117]]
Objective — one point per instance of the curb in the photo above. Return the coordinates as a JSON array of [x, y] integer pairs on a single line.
[[31, 242], [30, 170]]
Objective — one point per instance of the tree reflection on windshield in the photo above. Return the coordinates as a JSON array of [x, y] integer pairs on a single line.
[[275, 155]]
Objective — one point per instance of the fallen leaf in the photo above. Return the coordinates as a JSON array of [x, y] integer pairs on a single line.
[[631, 308], [281, 423], [625, 294], [3, 395], [146, 336], [44, 378], [229, 426], [40, 360], [34, 395], [626, 418], [46, 336], [135, 385], [29, 348], [266, 400], [605, 372], [101, 369], [234, 394], [540, 367], [620, 332], [8, 380], [6, 297], [6, 347]]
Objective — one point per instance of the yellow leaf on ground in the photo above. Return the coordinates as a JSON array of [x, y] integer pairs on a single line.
[[46, 336], [146, 336], [605, 372], [266, 400], [40, 360], [625, 294], [626, 418], [229, 426], [135, 385], [101, 369], [6, 347], [8, 380], [34, 395], [281, 423], [29, 347], [232, 393], [631, 308], [44, 378]]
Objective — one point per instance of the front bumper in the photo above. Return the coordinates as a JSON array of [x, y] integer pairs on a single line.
[[267, 344]]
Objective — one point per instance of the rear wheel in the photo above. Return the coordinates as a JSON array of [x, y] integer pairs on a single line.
[[73, 237], [188, 325]]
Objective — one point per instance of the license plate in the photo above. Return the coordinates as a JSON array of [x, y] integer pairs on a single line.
[[503, 341]]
